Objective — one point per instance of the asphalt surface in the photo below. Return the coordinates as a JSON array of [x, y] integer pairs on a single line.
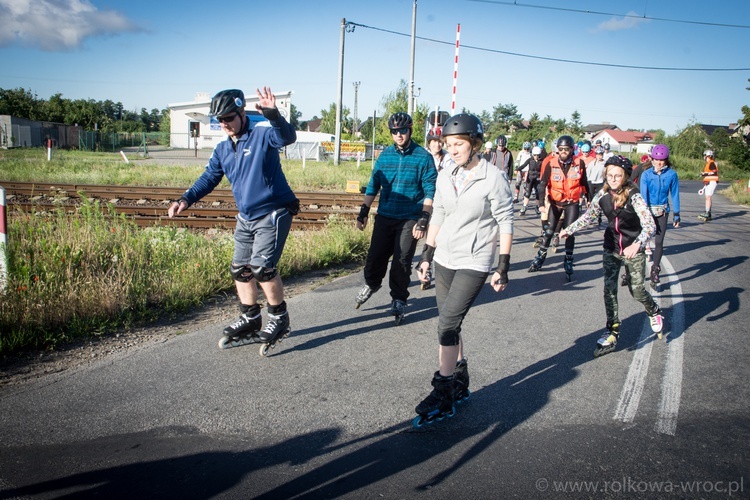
[[329, 413]]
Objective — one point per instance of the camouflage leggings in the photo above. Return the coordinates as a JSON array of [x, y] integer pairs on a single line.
[[636, 271]]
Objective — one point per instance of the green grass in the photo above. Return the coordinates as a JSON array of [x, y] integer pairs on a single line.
[[82, 167], [91, 273]]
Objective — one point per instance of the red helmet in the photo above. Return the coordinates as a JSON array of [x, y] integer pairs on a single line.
[[434, 134]]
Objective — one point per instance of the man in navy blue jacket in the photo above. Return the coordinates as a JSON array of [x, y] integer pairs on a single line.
[[249, 157]]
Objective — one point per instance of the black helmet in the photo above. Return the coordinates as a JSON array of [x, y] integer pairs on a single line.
[[565, 140], [622, 162], [227, 101], [400, 120], [501, 140], [464, 124]]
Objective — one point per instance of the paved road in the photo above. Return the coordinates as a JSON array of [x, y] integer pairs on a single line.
[[329, 414]]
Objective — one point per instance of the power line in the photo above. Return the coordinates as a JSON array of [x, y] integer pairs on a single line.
[[633, 16], [554, 59]]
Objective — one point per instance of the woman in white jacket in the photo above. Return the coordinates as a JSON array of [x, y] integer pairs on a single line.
[[472, 210]]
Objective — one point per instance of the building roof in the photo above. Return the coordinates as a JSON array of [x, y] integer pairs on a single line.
[[598, 127], [627, 136]]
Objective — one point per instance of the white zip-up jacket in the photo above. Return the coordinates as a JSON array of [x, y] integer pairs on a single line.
[[471, 221]]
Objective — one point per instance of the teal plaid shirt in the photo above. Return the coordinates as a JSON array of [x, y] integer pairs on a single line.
[[404, 179]]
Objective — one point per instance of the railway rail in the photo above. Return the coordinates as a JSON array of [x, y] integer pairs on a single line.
[[147, 206]]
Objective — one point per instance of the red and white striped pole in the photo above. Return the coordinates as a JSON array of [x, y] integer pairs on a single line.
[[3, 243], [455, 69]]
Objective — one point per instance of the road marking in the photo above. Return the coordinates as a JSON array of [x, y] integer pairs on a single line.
[[671, 385]]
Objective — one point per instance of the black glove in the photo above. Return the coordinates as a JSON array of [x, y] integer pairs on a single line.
[[502, 268], [364, 212], [676, 218], [271, 113], [423, 221], [428, 253]]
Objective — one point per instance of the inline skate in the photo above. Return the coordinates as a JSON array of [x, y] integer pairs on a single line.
[[624, 279], [439, 404], [364, 294], [655, 270], [608, 341], [657, 323], [398, 308], [705, 217], [555, 242], [244, 331], [461, 390], [276, 330], [540, 239], [568, 266], [425, 285], [536, 264]]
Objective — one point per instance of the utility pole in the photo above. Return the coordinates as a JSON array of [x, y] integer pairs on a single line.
[[339, 98], [355, 126], [413, 44]]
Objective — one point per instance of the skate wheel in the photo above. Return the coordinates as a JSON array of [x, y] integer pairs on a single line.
[[264, 348], [418, 422]]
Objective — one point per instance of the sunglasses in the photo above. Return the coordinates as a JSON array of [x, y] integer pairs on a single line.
[[402, 131], [563, 149], [227, 118]]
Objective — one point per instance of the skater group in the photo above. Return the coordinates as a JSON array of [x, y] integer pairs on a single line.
[[455, 198]]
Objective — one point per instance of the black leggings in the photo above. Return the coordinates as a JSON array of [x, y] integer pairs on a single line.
[[572, 211], [455, 292], [661, 231]]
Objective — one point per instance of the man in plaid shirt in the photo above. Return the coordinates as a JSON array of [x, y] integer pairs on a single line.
[[405, 176]]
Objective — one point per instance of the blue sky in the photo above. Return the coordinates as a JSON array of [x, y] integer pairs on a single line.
[[148, 54]]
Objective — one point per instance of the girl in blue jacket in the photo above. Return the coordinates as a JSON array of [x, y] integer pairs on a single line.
[[658, 184]]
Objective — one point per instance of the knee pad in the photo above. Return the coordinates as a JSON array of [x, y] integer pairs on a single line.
[[263, 274], [450, 337], [243, 274]]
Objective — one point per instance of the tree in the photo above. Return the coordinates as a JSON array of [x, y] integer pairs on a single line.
[[294, 117], [575, 126], [21, 103], [328, 120]]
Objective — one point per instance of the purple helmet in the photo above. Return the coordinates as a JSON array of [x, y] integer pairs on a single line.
[[660, 152]]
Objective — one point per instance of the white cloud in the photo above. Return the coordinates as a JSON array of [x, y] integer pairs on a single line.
[[622, 23], [57, 25]]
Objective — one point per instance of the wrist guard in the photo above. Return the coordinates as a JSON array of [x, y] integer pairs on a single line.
[[364, 211], [428, 252], [270, 113], [503, 265], [676, 217], [423, 221], [182, 198]]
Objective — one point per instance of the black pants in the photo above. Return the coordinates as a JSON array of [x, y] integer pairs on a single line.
[[391, 238], [661, 232], [455, 292], [572, 211]]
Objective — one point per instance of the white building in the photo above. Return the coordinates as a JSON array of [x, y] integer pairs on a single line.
[[191, 127]]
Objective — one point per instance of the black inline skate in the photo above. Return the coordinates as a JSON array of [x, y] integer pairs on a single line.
[[277, 328], [461, 390], [398, 308], [555, 242], [364, 294], [439, 404], [568, 266], [608, 341], [624, 279], [538, 261], [655, 270], [244, 331], [425, 285], [540, 239]]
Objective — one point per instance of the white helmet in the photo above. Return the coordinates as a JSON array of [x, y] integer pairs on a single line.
[[708, 152], [488, 145], [536, 150]]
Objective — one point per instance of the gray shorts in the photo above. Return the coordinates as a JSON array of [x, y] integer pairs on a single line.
[[260, 242]]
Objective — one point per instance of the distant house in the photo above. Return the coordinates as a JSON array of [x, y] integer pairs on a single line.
[[314, 125], [710, 129], [626, 141], [589, 131]]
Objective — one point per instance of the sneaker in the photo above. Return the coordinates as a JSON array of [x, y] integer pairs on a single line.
[[364, 294], [277, 326], [657, 322]]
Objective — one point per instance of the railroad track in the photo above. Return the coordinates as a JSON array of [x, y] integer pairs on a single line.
[[148, 205]]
